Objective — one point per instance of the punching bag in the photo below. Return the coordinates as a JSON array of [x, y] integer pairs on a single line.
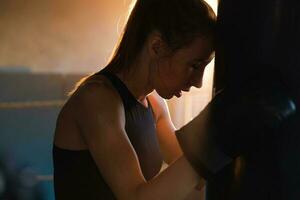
[[258, 46]]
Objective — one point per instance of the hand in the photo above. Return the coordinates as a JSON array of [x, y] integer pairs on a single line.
[[230, 125]]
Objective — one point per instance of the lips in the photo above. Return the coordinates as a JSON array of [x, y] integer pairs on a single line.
[[178, 94], [186, 90]]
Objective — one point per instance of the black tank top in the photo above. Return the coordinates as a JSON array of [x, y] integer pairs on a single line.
[[76, 175]]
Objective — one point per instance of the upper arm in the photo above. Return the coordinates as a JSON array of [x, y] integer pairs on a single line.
[[166, 135], [100, 117], [165, 129]]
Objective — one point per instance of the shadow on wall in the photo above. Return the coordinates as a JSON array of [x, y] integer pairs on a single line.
[[29, 104]]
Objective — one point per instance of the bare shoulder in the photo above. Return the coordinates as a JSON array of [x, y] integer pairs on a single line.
[[100, 116], [155, 98], [97, 96], [96, 100], [95, 88], [158, 104]]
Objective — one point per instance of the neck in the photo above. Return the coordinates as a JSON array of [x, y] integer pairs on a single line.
[[138, 80]]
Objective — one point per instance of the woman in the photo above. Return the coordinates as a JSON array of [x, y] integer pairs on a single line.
[[114, 132]]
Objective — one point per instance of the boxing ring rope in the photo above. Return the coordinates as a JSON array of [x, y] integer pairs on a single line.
[[31, 104]]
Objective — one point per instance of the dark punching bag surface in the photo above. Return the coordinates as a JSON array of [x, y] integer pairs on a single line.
[[259, 45]]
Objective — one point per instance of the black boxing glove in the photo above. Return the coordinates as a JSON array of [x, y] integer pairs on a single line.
[[230, 125]]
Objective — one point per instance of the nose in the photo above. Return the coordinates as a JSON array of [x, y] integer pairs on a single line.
[[196, 81], [197, 84], [197, 77]]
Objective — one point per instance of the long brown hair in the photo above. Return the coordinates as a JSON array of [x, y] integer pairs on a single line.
[[178, 22]]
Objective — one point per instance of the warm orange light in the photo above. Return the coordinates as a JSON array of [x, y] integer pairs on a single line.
[[190, 104]]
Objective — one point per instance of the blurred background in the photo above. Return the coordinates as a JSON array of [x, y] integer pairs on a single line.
[[46, 46]]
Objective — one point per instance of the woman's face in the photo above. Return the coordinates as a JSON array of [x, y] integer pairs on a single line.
[[184, 68]]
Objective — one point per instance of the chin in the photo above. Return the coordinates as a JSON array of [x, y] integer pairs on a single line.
[[164, 95], [169, 97]]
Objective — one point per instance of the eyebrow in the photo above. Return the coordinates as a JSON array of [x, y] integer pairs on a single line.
[[205, 59]]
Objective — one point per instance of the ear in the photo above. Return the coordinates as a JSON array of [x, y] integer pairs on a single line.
[[157, 47]]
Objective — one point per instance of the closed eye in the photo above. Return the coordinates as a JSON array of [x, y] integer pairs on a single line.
[[198, 65]]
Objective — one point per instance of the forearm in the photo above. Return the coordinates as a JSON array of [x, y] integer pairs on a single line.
[[229, 126], [196, 195], [175, 182], [202, 151]]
